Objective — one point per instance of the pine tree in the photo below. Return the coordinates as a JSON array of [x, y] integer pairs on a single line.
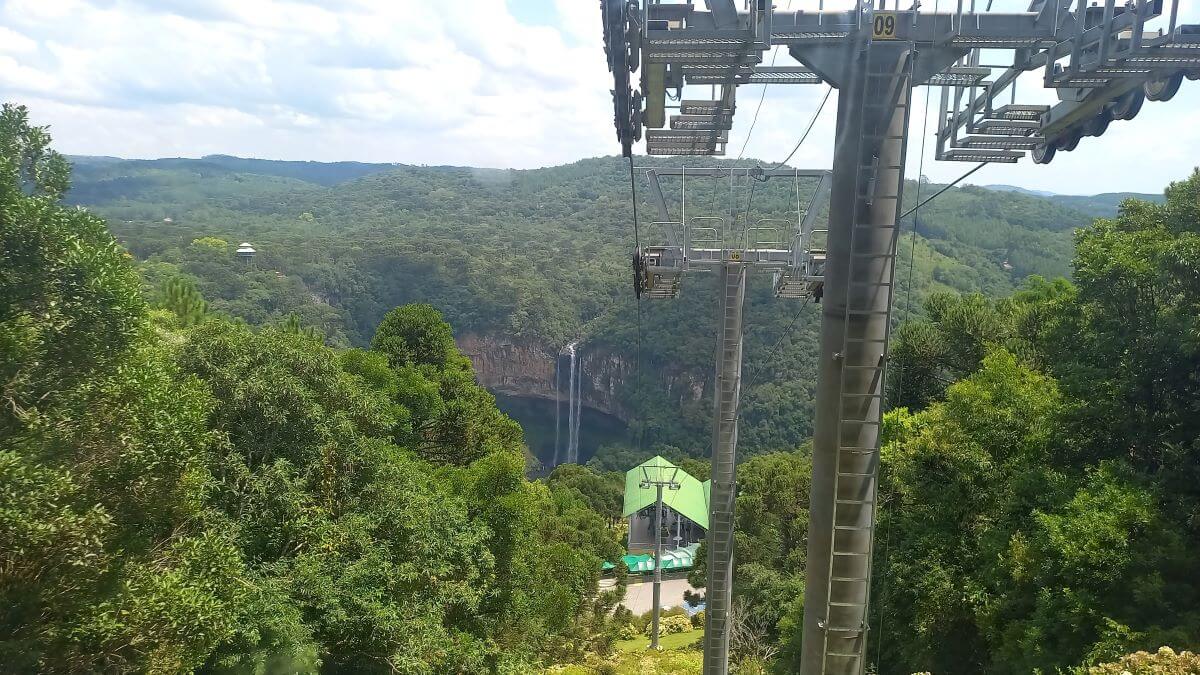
[[181, 297], [291, 324]]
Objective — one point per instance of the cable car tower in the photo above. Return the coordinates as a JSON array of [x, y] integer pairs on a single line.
[[794, 252], [1103, 60]]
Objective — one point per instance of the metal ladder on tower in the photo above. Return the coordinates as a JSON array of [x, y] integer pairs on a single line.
[[724, 472], [863, 368]]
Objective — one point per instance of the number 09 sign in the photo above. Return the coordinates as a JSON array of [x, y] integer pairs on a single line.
[[883, 26]]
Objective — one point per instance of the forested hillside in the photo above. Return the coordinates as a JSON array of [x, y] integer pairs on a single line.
[[537, 255], [180, 492]]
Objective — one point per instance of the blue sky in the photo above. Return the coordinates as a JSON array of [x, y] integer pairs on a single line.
[[471, 82]]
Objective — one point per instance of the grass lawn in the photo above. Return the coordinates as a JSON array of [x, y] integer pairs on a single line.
[[673, 641], [633, 657]]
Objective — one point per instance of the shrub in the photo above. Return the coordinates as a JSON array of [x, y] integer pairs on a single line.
[[750, 667], [698, 619], [668, 625], [1163, 662]]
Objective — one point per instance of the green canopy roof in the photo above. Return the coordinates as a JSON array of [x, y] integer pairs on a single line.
[[678, 559], [690, 500]]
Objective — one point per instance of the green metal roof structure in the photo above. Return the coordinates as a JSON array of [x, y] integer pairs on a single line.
[[690, 500], [679, 559]]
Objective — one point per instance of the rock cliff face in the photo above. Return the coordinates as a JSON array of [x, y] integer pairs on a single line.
[[519, 367], [510, 366]]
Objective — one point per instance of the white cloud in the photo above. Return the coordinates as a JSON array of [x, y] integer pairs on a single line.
[[459, 82], [373, 80], [15, 43]]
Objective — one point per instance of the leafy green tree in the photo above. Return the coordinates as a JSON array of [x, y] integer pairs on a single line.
[[456, 423], [947, 345], [70, 304], [216, 244], [959, 479], [104, 473], [414, 335], [603, 493], [283, 397], [1137, 318], [28, 166]]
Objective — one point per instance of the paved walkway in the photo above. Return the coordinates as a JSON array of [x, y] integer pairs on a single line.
[[639, 598]]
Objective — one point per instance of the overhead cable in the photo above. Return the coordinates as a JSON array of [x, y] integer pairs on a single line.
[[811, 123], [637, 243], [947, 187], [761, 98]]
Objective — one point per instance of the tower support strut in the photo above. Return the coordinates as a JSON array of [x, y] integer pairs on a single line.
[[724, 469], [875, 84]]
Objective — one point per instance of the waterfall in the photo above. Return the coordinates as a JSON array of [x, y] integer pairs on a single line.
[[577, 397], [557, 407], [574, 404]]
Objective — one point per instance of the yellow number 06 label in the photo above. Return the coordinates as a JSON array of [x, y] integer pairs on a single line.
[[883, 26]]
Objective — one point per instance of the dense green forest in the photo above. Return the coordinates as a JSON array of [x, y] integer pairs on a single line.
[[540, 255], [213, 468], [1040, 509], [179, 491]]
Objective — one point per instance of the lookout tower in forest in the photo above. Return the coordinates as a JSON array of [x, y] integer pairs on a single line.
[[246, 252]]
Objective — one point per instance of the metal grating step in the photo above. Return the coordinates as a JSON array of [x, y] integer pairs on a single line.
[[1000, 142], [1099, 76], [702, 122], [662, 285], [707, 74], [685, 142], [994, 127], [784, 75], [684, 150], [969, 155], [1163, 57], [1018, 111], [687, 39], [716, 57], [959, 76], [694, 107], [685, 136], [717, 73], [793, 36], [667, 151], [999, 42], [1081, 80]]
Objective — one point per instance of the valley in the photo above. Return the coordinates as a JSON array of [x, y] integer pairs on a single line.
[[523, 262]]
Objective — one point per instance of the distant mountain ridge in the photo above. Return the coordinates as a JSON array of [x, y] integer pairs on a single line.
[[1104, 205], [95, 167], [320, 173], [1014, 188]]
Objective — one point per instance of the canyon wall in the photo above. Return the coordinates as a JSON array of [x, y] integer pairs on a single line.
[[520, 367]]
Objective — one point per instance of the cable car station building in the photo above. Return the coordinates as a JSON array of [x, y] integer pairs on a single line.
[[685, 510]]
